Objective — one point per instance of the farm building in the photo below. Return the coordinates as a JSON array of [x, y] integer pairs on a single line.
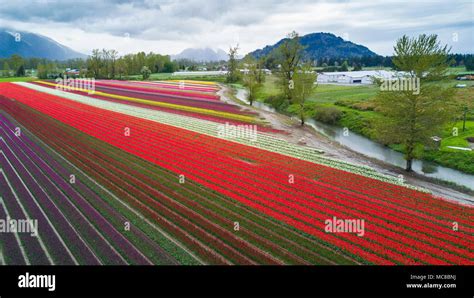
[[353, 77], [264, 70], [200, 73]]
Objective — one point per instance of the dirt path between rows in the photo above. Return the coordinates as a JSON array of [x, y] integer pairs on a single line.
[[294, 132]]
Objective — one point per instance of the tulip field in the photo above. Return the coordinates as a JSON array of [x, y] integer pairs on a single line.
[[137, 173]]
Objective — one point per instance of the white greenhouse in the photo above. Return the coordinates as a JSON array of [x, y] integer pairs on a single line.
[[354, 77]]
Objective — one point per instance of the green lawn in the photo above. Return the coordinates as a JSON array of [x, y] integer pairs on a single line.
[[269, 88], [453, 83], [329, 93], [458, 140], [324, 92], [455, 158], [457, 70], [18, 79], [333, 93]]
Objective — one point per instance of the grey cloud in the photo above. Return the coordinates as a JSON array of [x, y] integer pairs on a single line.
[[189, 20]]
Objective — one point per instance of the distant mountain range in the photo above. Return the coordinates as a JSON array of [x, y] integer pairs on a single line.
[[318, 45], [322, 45], [29, 45], [202, 55]]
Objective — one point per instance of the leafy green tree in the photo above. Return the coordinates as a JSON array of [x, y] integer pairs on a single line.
[[357, 67], [16, 62], [304, 80], [260, 74], [469, 63], [41, 71], [6, 69], [121, 68], [146, 72], [464, 106], [233, 74], [270, 61], [21, 71], [169, 67], [113, 55], [105, 67], [413, 116], [252, 78], [289, 54], [344, 66], [94, 64]]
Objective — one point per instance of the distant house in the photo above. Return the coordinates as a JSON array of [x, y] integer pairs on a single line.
[[74, 73], [264, 70], [363, 77], [466, 77], [244, 70]]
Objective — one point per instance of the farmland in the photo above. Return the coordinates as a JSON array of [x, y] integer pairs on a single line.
[[136, 173], [359, 114]]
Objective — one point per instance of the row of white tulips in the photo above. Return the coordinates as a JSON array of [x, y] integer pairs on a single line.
[[262, 140]]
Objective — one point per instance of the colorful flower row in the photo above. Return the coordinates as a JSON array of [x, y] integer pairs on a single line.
[[185, 88], [254, 182], [64, 209], [263, 140], [225, 115], [123, 174]]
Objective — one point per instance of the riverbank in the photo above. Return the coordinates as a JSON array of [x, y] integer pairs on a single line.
[[295, 133]]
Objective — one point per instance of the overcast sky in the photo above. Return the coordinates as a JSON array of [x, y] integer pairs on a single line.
[[166, 26]]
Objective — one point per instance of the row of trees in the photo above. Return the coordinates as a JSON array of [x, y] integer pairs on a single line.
[[296, 77], [13, 66], [191, 65], [252, 75], [107, 64], [333, 63], [101, 64], [468, 61], [18, 66], [356, 63]]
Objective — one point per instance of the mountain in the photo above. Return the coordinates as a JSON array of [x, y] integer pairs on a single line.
[[201, 55], [29, 45], [322, 45]]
